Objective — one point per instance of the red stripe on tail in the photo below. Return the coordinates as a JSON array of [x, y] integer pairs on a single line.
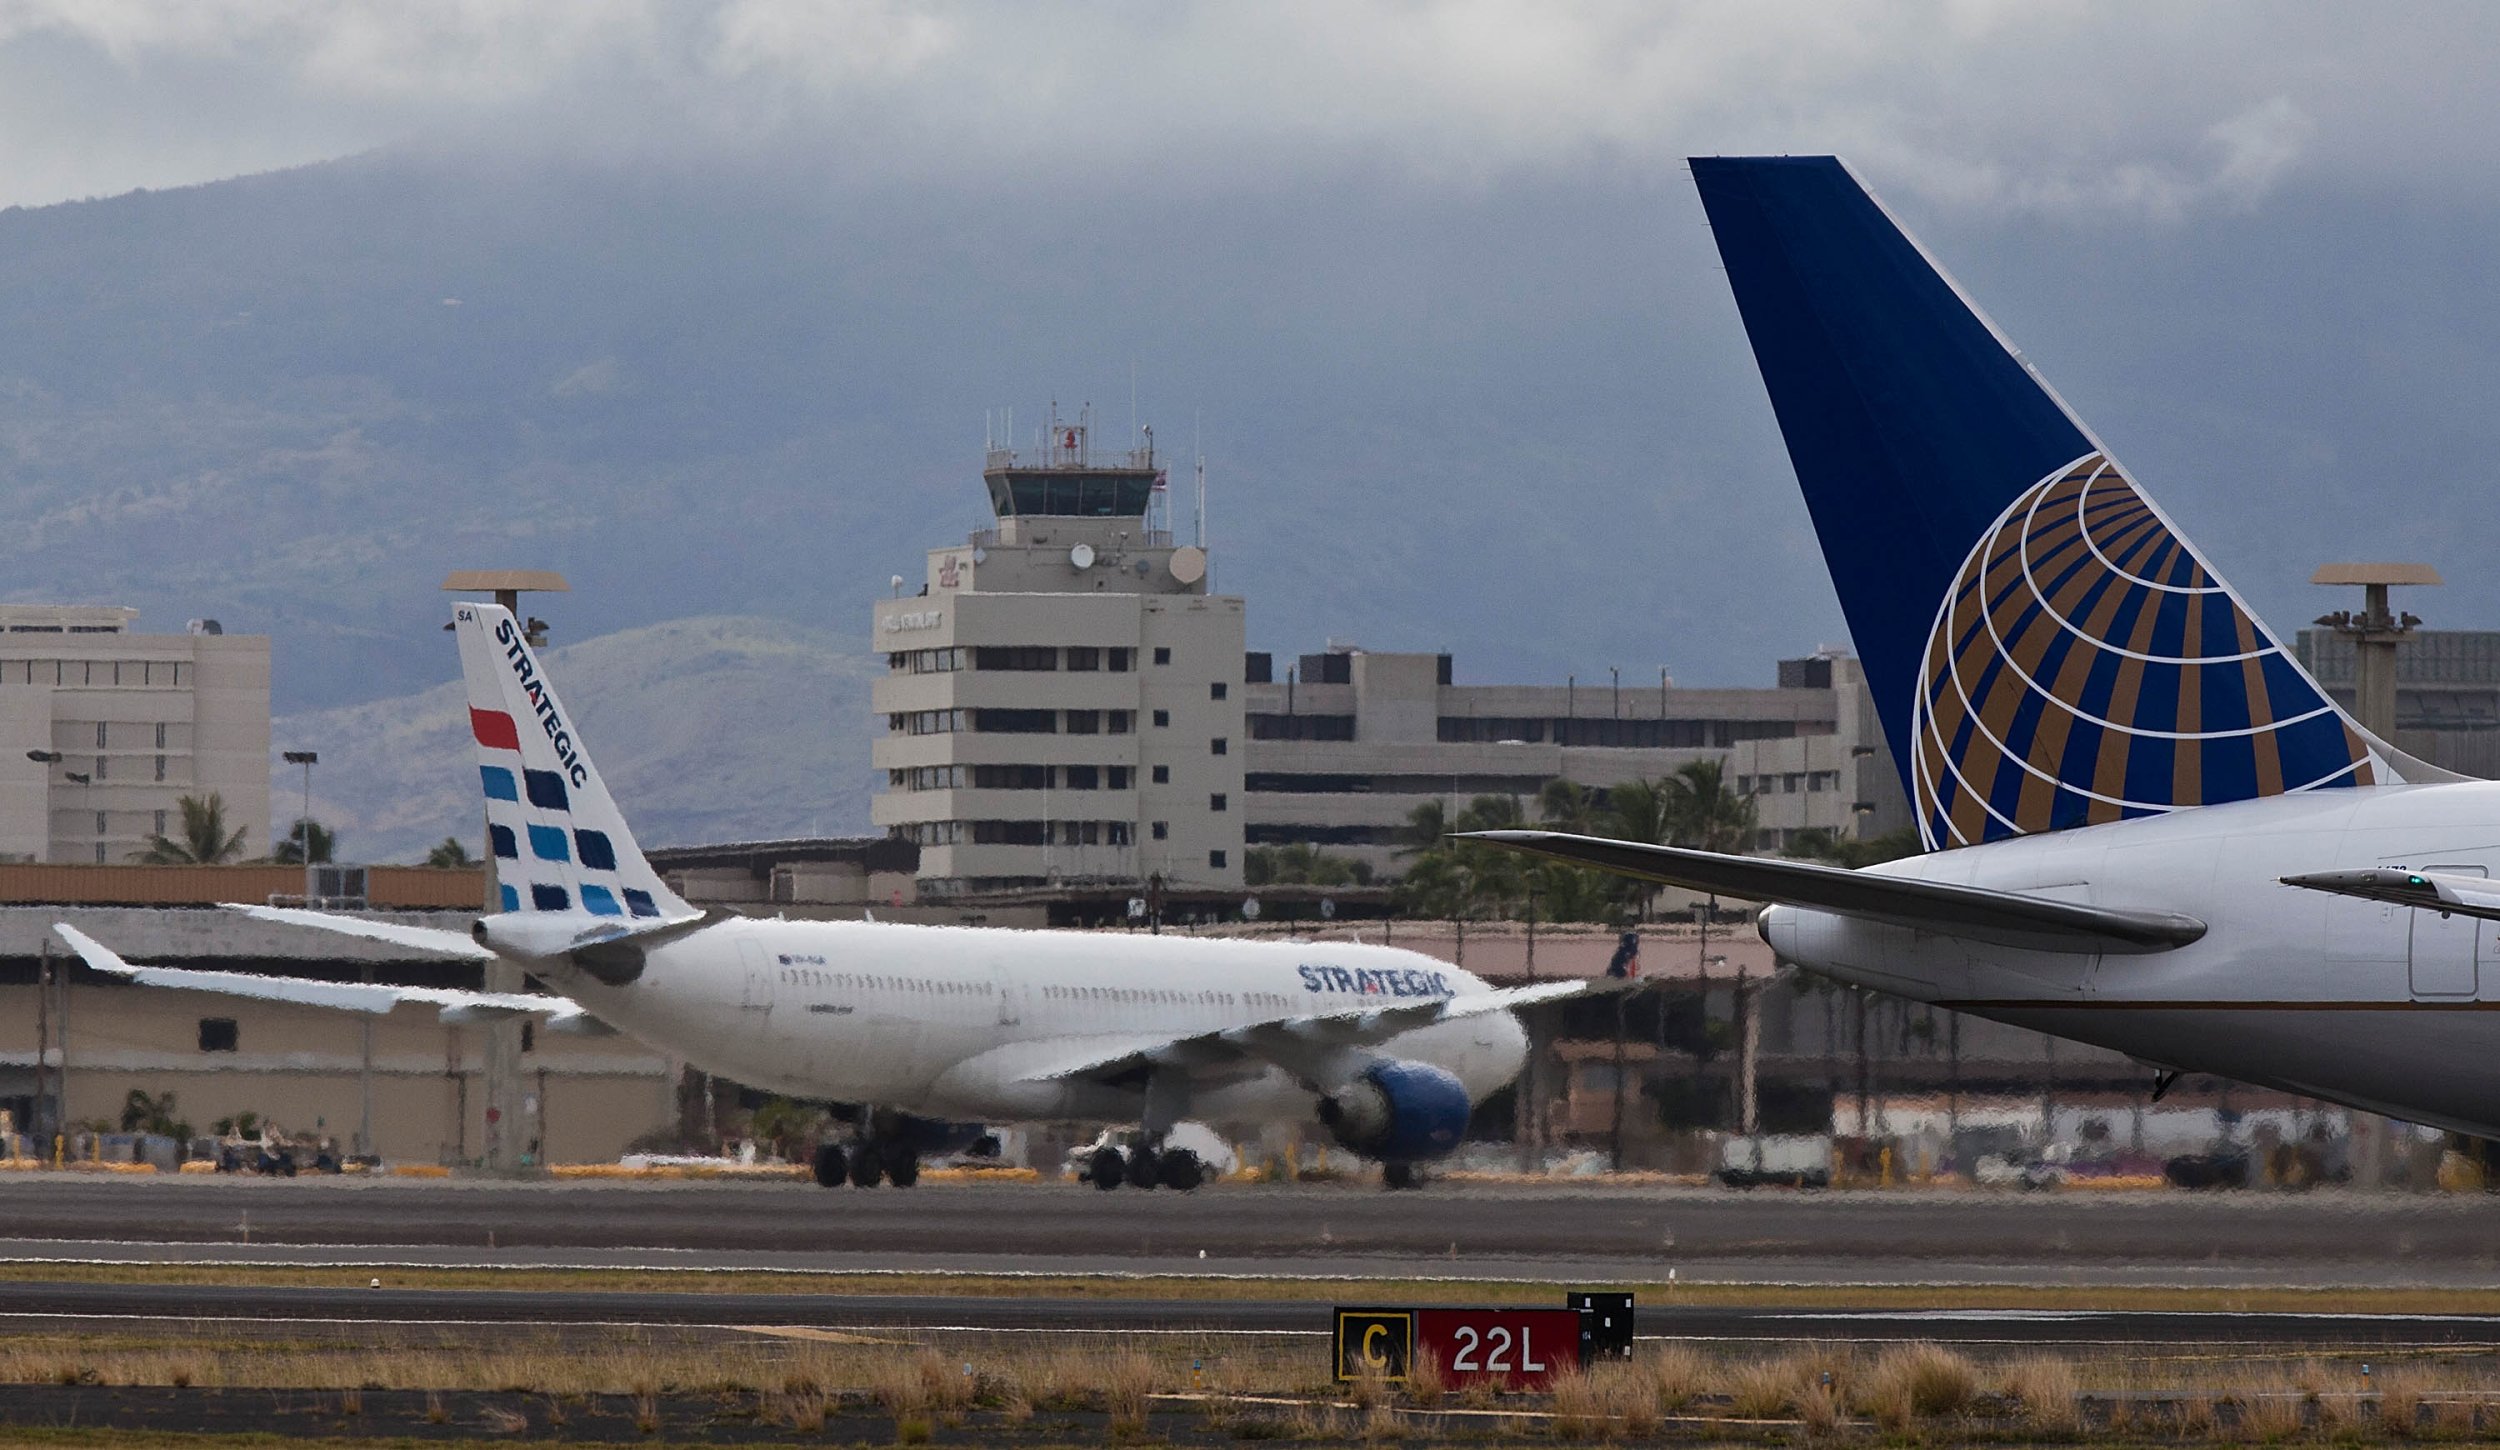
[[494, 728]]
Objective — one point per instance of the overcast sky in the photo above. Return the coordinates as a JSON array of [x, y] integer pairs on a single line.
[[2163, 110]]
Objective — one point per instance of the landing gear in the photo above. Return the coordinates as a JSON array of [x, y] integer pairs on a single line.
[[1107, 1169], [884, 1151], [1399, 1176], [1181, 1171], [1144, 1167]]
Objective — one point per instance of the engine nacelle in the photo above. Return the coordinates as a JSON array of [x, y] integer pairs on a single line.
[[1399, 1112]]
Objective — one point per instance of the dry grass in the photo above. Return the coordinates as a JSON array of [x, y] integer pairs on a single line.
[[1914, 1382], [2045, 1390], [1425, 1383], [1762, 1389], [1127, 1378], [1675, 1374]]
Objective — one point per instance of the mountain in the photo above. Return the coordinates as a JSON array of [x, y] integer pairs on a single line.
[[709, 729], [1512, 418]]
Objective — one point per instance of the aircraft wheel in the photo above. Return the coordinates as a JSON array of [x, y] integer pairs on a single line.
[[865, 1169], [1399, 1176], [1145, 1167], [902, 1167], [1181, 1170], [833, 1167], [1107, 1170]]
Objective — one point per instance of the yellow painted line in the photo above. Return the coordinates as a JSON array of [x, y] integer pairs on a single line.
[[813, 1336]]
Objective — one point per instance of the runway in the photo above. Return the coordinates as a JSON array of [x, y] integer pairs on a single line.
[[1560, 1232], [95, 1305]]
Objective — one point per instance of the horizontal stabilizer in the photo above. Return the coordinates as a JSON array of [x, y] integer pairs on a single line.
[[400, 934], [2430, 890], [2006, 918]]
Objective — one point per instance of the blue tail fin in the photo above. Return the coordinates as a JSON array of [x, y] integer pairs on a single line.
[[2046, 650]]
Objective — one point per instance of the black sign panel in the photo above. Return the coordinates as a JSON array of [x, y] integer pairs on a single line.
[[1374, 1343]]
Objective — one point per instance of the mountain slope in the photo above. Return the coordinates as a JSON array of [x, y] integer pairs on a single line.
[[705, 729]]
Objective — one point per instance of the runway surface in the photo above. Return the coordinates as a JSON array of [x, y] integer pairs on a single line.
[[95, 1305], [1542, 1232]]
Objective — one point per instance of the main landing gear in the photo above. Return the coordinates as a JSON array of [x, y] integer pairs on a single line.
[[883, 1150], [1141, 1165]]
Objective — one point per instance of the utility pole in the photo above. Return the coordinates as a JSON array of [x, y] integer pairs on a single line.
[[503, 1037], [2375, 632]]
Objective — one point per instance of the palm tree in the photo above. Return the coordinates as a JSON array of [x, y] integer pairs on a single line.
[[291, 851], [1425, 826], [1642, 811], [449, 855], [1709, 816], [203, 841]]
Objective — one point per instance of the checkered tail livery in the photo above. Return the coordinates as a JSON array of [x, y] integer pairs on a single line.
[[2045, 647], [560, 844]]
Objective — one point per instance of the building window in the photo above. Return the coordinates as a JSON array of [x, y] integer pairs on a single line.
[[1215, 802], [99, 823], [1119, 776], [160, 823], [1303, 727], [1084, 722], [1162, 830], [99, 735], [1163, 775], [1014, 722], [1116, 833], [218, 1034], [99, 853], [1083, 777], [529, 1036], [1015, 657], [1010, 777], [1120, 721], [160, 767], [1218, 745], [1215, 690], [99, 767], [160, 735], [1122, 659], [1215, 860], [1084, 657], [1163, 654], [1162, 718]]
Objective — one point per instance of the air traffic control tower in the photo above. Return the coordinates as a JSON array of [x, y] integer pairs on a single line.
[[1062, 701]]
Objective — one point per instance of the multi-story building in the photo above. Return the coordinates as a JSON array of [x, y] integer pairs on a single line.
[[1063, 704], [105, 731], [1348, 744], [2447, 692]]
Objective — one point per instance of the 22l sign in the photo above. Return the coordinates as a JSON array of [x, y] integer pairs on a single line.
[[1515, 1349]]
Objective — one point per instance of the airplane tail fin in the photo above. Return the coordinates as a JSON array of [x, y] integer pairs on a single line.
[[560, 843], [2046, 649]]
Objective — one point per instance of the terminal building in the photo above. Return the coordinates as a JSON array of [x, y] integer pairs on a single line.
[[2447, 692], [1350, 742], [106, 730], [1062, 707]]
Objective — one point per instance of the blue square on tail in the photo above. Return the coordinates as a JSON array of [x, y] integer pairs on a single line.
[[546, 790], [599, 901], [641, 902], [503, 844], [499, 785], [550, 898], [511, 899], [547, 843], [597, 854]]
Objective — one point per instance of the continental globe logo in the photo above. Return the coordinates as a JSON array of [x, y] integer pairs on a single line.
[[2081, 592]]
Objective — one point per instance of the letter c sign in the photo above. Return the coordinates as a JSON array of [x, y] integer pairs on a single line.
[[1374, 1343]]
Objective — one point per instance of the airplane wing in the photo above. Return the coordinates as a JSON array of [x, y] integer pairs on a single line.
[[2007, 918], [2430, 890], [423, 938], [562, 1013], [1297, 1042]]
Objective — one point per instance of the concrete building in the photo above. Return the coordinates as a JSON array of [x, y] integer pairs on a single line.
[[1063, 705], [1349, 742], [2447, 692], [137, 722]]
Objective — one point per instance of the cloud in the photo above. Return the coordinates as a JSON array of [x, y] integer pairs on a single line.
[[2142, 110]]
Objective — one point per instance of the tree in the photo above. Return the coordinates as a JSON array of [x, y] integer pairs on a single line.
[[785, 1126], [1822, 845], [290, 851], [203, 842], [1708, 815], [449, 855], [1300, 863], [1425, 827], [143, 1112]]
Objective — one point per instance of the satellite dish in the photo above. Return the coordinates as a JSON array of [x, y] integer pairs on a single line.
[[980, 556], [1189, 564], [1082, 556], [1250, 908]]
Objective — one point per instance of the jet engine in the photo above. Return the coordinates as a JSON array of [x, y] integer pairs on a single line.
[[1399, 1112]]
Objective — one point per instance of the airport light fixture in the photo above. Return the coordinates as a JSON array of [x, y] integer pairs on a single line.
[[44, 757]]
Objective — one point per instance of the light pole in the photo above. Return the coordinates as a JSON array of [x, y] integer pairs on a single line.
[[303, 823], [75, 777]]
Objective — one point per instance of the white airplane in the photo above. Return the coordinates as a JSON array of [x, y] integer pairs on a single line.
[[1390, 1049], [2148, 827]]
